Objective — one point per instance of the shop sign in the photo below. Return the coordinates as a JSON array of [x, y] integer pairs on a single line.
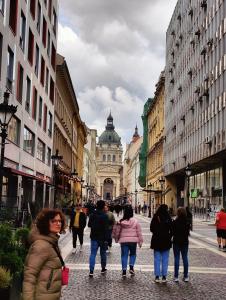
[[194, 193]]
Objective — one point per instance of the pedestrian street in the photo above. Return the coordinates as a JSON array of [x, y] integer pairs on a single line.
[[207, 271]]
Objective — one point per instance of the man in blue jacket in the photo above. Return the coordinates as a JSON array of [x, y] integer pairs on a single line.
[[98, 222]]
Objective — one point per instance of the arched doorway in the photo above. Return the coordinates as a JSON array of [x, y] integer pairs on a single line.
[[108, 189]]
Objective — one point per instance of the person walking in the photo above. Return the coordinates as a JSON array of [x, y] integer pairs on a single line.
[[181, 231], [111, 222], [77, 226], [128, 233], [221, 229], [161, 228], [98, 222], [42, 269]]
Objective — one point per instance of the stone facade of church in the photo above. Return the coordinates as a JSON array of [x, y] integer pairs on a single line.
[[109, 162]]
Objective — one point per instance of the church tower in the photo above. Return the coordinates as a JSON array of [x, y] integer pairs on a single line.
[[109, 162]]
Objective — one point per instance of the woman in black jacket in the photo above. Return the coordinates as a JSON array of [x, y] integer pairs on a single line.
[[181, 228], [161, 241]]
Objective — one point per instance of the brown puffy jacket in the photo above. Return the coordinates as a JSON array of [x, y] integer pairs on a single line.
[[42, 270]]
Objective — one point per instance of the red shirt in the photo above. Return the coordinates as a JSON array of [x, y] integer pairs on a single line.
[[221, 220]]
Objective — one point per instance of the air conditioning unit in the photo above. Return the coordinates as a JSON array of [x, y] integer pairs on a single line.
[[208, 140]]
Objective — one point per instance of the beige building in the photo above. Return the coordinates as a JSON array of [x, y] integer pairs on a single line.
[[69, 137], [109, 162], [89, 166], [28, 43], [131, 170], [161, 191]]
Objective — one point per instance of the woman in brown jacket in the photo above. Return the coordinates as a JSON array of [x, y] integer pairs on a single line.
[[42, 271]]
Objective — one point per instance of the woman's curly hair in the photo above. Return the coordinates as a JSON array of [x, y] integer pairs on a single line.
[[43, 218]]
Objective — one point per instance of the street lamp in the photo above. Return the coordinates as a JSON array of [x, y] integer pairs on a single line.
[[188, 172], [149, 199], [74, 178], [136, 191], [56, 161], [161, 181], [6, 113], [81, 181]]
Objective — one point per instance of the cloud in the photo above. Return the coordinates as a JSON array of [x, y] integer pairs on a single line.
[[115, 51]]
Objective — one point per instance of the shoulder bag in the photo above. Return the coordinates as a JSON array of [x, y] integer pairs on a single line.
[[64, 270]]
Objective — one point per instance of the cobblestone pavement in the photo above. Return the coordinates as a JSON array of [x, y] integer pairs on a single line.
[[207, 271]]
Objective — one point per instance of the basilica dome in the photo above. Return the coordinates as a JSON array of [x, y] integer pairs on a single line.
[[110, 136]]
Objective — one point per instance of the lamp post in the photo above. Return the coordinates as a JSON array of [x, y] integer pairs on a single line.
[[162, 181], [74, 176], [6, 113], [56, 160], [188, 172], [81, 181], [149, 199], [136, 191]]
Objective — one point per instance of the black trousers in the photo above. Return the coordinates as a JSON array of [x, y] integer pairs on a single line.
[[77, 232]]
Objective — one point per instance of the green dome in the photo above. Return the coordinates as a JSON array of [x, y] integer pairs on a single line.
[[110, 136]]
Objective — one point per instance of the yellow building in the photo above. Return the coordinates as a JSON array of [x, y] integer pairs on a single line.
[[69, 136], [155, 175]]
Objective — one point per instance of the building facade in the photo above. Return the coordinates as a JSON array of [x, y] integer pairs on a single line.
[[109, 162], [69, 137], [195, 117], [28, 43], [131, 170], [89, 170]]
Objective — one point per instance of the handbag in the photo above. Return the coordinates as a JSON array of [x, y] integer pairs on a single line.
[[117, 232], [64, 270]]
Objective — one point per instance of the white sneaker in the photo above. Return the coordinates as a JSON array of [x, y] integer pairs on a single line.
[[80, 248], [74, 251], [186, 279], [176, 279]]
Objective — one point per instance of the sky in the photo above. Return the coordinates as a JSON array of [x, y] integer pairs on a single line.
[[115, 52]]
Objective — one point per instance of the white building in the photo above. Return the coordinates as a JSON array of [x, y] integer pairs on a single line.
[[28, 42], [131, 170], [109, 162]]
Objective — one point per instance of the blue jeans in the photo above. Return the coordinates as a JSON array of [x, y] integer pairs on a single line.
[[161, 258], [128, 249], [103, 257], [184, 253]]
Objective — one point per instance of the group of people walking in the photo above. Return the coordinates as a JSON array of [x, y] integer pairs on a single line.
[[44, 265]]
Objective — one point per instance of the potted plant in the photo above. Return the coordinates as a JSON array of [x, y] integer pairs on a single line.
[[5, 283]]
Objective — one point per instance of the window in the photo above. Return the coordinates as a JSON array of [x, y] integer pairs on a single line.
[[14, 131], [20, 79], [51, 93], [1, 41], [104, 157], [28, 95], [48, 43], [54, 21], [29, 141], [36, 60], [44, 27], [109, 157], [30, 47], [39, 17], [41, 150], [50, 9], [53, 57], [2, 6], [32, 8], [22, 30], [42, 77], [113, 158], [13, 6], [34, 103], [50, 124], [40, 112], [10, 62], [47, 81], [48, 156], [45, 117]]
